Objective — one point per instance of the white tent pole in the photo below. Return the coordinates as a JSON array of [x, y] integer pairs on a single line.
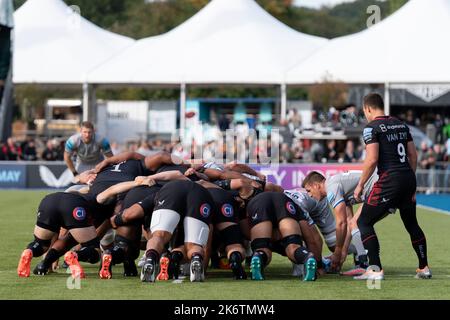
[[283, 102], [85, 101], [182, 107], [387, 99]]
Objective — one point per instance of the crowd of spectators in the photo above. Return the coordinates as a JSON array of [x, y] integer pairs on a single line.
[[432, 155], [32, 150]]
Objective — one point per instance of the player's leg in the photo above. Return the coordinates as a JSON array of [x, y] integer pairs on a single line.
[[36, 248], [124, 250], [356, 246], [261, 234], [418, 239], [196, 236], [232, 239], [356, 242], [163, 224], [90, 249], [292, 242], [370, 215], [58, 249]]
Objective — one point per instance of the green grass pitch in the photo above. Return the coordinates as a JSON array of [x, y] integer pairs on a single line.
[[17, 216]]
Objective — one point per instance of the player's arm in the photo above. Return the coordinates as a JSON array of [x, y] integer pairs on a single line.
[[312, 238], [412, 155], [369, 165], [340, 213], [68, 152], [120, 188], [348, 237], [192, 171], [86, 177], [214, 174], [69, 163], [243, 168], [121, 157], [164, 176], [108, 154], [155, 161]]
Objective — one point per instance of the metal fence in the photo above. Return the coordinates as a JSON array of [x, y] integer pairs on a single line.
[[433, 180]]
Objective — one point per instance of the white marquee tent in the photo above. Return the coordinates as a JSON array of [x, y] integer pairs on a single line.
[[55, 45], [411, 46], [227, 42]]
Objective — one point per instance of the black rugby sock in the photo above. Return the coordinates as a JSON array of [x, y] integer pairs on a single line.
[[420, 246], [151, 253], [373, 250]]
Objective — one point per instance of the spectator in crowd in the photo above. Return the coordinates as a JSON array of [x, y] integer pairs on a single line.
[[427, 160], [2, 151], [410, 118], [297, 151], [426, 156], [12, 150], [50, 152], [29, 151], [440, 158], [294, 120], [317, 153], [439, 125], [286, 155], [350, 153], [331, 154], [285, 132], [224, 122]]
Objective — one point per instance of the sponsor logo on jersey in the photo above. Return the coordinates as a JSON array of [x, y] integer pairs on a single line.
[[367, 134], [330, 197], [291, 208], [205, 210], [227, 210], [79, 213]]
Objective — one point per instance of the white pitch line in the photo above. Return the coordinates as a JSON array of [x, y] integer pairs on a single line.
[[434, 209]]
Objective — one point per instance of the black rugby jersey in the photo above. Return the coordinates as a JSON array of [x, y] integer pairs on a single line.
[[393, 136], [120, 172]]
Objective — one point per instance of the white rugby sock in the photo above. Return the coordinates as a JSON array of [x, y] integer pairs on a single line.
[[357, 243]]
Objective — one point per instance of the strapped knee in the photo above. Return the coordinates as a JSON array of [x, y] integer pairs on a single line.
[[39, 246], [261, 243], [231, 235], [292, 239]]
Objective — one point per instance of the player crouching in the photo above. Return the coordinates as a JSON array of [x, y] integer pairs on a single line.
[[180, 200], [271, 211], [72, 212]]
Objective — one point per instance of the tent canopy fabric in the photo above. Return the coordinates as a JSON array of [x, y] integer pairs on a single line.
[[55, 45], [410, 46], [227, 42]]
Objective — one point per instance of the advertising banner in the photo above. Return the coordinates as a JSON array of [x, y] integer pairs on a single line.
[[12, 175], [291, 176]]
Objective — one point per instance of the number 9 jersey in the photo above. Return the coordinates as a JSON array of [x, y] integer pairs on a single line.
[[393, 136]]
